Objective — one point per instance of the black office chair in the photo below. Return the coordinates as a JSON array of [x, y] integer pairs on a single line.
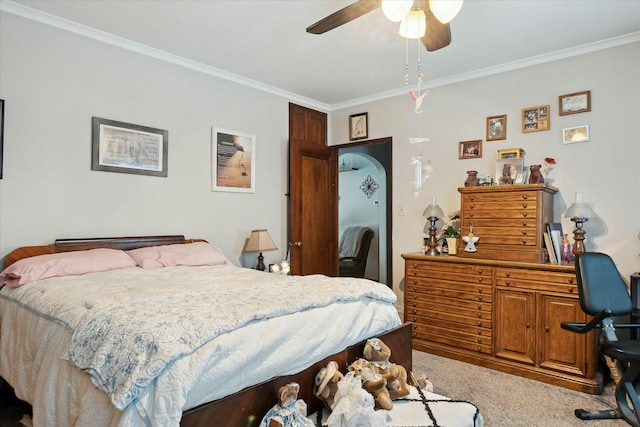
[[603, 294], [354, 250]]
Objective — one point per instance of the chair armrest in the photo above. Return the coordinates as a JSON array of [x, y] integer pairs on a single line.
[[583, 328]]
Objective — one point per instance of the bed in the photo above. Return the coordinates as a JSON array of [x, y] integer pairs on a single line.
[[57, 334]]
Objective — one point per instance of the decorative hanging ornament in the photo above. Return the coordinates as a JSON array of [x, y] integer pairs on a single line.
[[418, 100], [422, 172], [470, 240]]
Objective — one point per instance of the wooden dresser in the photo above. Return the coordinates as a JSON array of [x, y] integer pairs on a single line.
[[510, 220], [503, 315]]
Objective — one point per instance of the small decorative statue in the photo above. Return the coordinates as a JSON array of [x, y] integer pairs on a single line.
[[535, 175], [472, 179], [470, 240], [418, 100], [506, 175]]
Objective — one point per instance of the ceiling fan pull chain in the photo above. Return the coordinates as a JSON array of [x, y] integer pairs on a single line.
[[406, 62]]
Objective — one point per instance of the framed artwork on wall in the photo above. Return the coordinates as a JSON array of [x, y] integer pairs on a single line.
[[233, 166], [574, 103], [470, 149], [496, 128], [575, 134], [358, 126], [535, 119], [1, 133], [127, 148]]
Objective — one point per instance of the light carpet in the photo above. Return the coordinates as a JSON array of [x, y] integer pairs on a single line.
[[507, 400]]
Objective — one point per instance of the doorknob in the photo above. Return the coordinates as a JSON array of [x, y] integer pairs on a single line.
[[298, 244]]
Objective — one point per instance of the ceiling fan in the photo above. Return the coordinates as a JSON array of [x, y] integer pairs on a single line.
[[437, 33]]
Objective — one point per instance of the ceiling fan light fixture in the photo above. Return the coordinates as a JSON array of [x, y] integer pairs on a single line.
[[414, 25], [396, 10], [445, 10]]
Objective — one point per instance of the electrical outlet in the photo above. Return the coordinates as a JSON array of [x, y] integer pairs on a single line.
[[402, 210]]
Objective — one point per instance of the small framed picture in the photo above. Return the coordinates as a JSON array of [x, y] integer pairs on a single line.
[[233, 166], [575, 134], [470, 149], [496, 128], [574, 103], [511, 153], [506, 170], [535, 119], [521, 177], [358, 126]]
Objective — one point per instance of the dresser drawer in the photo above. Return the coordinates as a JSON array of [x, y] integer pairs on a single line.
[[439, 270], [417, 300], [500, 196], [456, 321], [551, 281], [413, 290], [458, 339]]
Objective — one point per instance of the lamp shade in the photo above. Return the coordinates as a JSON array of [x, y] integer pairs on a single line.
[[395, 10], [579, 209], [445, 10], [433, 210], [414, 25], [259, 241]]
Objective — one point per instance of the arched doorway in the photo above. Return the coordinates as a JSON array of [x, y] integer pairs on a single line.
[[364, 188]]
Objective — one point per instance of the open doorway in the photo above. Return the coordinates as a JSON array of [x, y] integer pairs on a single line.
[[365, 195]]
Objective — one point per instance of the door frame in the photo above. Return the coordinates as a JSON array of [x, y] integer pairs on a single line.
[[381, 150]]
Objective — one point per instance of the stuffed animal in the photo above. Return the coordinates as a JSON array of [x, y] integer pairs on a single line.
[[354, 406], [378, 354], [327, 384], [506, 175], [290, 411], [372, 382], [535, 176]]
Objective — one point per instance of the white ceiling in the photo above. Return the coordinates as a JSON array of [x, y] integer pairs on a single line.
[[263, 43]]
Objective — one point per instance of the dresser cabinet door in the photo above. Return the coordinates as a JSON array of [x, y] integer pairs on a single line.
[[561, 350], [515, 325]]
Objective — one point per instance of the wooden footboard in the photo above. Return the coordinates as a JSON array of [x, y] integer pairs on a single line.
[[246, 408]]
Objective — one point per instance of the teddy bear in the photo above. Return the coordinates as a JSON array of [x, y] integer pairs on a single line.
[[535, 176], [378, 354], [290, 411], [326, 384], [506, 175], [472, 179], [373, 383]]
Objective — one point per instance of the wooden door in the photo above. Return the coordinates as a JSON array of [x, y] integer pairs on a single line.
[[515, 321], [307, 125], [313, 208]]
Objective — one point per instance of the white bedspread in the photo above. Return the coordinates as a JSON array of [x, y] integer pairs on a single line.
[[212, 365]]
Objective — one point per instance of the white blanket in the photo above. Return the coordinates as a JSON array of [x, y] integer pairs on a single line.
[[219, 367]]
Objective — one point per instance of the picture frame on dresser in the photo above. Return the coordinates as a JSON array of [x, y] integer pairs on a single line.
[[128, 148], [507, 169]]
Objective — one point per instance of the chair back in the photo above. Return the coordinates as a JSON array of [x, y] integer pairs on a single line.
[[600, 285], [355, 242]]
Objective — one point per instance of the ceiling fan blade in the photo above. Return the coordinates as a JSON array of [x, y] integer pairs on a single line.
[[438, 35], [347, 14]]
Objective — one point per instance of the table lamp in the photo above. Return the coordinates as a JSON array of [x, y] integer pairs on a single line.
[[579, 212], [259, 241], [433, 212]]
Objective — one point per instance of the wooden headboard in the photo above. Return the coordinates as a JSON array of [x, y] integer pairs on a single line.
[[68, 245]]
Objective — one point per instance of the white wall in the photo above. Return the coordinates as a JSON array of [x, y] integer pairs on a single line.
[[606, 169], [53, 82]]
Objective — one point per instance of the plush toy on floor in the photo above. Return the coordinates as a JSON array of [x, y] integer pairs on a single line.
[[378, 354], [354, 407], [326, 385], [290, 411], [372, 382]]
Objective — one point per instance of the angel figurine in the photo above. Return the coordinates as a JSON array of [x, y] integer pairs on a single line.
[[470, 240], [418, 100]]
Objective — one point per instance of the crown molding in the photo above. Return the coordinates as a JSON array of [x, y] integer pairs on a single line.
[[92, 33]]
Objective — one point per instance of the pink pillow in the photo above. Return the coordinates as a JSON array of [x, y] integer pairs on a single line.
[[198, 253], [64, 264]]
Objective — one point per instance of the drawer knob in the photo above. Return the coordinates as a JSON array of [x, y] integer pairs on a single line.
[[571, 280], [508, 274], [479, 331], [472, 198], [479, 297], [524, 205], [524, 241], [524, 223], [480, 290], [415, 311], [528, 325], [525, 197], [546, 329], [524, 232], [479, 349], [479, 271], [524, 214], [479, 323], [480, 279], [479, 307], [508, 282], [479, 315], [471, 214], [471, 206], [570, 290]]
